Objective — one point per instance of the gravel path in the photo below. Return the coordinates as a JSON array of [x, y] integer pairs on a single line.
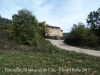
[[61, 44]]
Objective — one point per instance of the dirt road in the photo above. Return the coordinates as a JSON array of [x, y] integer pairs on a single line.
[[61, 44]]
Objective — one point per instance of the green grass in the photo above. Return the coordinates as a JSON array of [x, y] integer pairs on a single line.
[[56, 63]]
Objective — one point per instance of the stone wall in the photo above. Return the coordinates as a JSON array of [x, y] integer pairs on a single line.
[[53, 31]]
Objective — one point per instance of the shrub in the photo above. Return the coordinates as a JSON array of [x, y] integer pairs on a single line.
[[36, 40], [81, 36], [92, 40], [4, 38], [25, 27], [45, 46], [4, 34], [77, 35]]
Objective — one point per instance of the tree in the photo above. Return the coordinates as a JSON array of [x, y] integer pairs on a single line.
[[93, 21], [81, 36], [25, 26], [77, 35], [4, 23]]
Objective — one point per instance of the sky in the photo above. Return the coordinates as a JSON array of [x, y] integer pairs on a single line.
[[61, 13]]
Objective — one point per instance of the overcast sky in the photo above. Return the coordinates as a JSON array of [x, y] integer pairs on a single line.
[[62, 13]]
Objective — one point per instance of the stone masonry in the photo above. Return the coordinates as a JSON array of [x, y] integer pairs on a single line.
[[53, 30]]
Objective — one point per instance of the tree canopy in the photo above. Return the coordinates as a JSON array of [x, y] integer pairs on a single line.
[[25, 26], [93, 22], [4, 23], [86, 36], [93, 19]]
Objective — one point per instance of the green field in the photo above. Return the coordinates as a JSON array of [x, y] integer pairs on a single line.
[[54, 61]]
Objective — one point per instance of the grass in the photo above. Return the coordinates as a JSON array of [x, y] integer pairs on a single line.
[[57, 63], [45, 59]]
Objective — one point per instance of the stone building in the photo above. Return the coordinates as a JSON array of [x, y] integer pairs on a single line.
[[53, 31]]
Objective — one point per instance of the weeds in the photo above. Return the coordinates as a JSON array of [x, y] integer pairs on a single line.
[[57, 63]]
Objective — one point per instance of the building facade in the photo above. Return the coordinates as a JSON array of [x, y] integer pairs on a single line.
[[53, 30]]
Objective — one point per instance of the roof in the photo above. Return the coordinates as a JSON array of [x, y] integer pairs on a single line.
[[52, 26], [46, 25]]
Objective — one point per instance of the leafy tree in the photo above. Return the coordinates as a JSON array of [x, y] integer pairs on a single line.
[[81, 36], [77, 34], [25, 26], [93, 19]]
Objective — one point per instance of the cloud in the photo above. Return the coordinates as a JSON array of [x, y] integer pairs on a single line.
[[55, 12], [8, 8]]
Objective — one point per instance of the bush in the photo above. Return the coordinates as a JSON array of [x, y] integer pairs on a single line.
[[4, 35], [45, 46], [25, 27], [4, 38], [36, 40], [77, 35], [92, 40], [81, 36]]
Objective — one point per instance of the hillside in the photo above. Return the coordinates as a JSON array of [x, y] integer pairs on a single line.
[[4, 21]]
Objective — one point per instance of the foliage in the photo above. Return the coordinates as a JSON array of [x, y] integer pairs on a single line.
[[92, 40], [65, 34], [93, 19], [86, 36], [40, 44], [45, 47], [25, 26], [4, 23], [81, 36], [77, 34], [93, 22], [43, 29], [4, 39], [36, 40]]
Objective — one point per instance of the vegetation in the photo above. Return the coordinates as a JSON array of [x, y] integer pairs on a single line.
[[4, 23], [80, 35], [16, 57], [93, 19], [65, 35], [25, 28], [43, 29], [57, 63]]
